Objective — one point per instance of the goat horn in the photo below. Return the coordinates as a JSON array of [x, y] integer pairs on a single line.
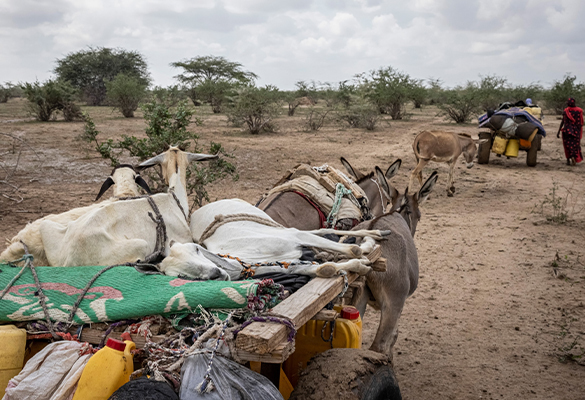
[[105, 186], [153, 161], [200, 157], [142, 183]]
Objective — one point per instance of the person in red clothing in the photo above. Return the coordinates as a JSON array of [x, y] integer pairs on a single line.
[[572, 129]]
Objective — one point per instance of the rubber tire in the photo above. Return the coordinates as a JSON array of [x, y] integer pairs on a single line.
[[484, 149], [532, 152], [382, 386]]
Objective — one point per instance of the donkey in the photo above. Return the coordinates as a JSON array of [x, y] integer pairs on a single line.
[[390, 289], [294, 211], [442, 147]]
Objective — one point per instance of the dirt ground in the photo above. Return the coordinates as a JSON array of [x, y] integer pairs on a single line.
[[489, 318]]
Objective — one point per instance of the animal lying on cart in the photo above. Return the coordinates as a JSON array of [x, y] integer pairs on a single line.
[[510, 130]]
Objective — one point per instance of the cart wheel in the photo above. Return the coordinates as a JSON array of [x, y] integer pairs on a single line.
[[383, 385], [483, 151], [532, 152], [347, 373]]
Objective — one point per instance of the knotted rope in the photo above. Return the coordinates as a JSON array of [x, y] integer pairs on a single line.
[[221, 220], [340, 191]]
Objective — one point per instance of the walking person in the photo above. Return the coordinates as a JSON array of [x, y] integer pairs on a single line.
[[572, 129]]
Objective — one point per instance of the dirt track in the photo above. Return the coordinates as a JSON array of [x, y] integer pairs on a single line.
[[488, 320]]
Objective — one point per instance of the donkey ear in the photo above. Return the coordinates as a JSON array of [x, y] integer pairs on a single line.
[[427, 188], [393, 169], [142, 183], [353, 172], [105, 186], [388, 189]]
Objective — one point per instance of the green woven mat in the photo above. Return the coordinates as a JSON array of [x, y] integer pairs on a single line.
[[119, 293]]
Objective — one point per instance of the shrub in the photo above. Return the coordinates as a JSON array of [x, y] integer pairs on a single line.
[[47, 98], [165, 127], [461, 103], [170, 95], [6, 92], [255, 108], [315, 119], [556, 97], [360, 114], [125, 93]]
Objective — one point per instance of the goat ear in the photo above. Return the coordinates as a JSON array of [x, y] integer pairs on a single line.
[[156, 160], [353, 172], [105, 186], [142, 183], [393, 169], [427, 188], [200, 157]]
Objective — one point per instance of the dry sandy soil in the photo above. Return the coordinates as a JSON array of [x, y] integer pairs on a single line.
[[488, 320]]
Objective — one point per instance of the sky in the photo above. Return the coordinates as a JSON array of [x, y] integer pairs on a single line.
[[285, 41]]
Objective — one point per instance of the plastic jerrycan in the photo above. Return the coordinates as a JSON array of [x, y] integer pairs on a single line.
[[308, 341], [106, 371], [12, 348]]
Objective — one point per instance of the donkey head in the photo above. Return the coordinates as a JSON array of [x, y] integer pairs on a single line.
[[373, 187], [407, 204]]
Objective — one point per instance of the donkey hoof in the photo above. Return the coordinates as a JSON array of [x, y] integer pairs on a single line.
[[452, 189], [449, 194], [326, 271]]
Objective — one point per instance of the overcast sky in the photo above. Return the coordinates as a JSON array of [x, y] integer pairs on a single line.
[[287, 41]]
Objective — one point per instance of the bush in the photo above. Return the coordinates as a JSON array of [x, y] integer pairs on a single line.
[[255, 108], [492, 91], [125, 93], [315, 119], [360, 114], [165, 127], [390, 90], [47, 98], [461, 103], [556, 97], [170, 95], [6, 92]]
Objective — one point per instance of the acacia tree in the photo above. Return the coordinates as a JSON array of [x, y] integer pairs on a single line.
[[212, 79], [89, 70]]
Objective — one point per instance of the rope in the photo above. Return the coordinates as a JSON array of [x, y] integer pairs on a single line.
[[171, 191], [340, 191], [206, 385], [221, 220]]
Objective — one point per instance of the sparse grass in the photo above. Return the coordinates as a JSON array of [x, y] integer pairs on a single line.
[[559, 205]]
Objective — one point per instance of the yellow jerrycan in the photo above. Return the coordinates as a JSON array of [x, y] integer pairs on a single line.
[[106, 371], [12, 348]]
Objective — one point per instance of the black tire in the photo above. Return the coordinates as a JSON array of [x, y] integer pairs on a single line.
[[383, 386], [484, 149], [532, 152]]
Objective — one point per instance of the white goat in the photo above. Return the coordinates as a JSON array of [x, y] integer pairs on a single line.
[[125, 181], [254, 238], [122, 231]]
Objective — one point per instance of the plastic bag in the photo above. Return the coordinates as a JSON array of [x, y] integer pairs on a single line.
[[230, 379], [145, 389], [52, 374]]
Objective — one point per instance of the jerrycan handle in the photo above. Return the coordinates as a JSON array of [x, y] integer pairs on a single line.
[[130, 345]]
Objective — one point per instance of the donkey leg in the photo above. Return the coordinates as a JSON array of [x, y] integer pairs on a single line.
[[450, 187]]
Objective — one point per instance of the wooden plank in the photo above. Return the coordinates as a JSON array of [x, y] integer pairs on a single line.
[[278, 356], [263, 337], [326, 315], [94, 336]]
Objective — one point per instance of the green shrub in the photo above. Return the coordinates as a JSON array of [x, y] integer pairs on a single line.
[[6, 92], [51, 96], [461, 103], [125, 93], [360, 114], [255, 108], [556, 97]]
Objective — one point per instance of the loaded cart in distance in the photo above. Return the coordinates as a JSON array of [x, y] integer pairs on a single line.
[[511, 128]]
